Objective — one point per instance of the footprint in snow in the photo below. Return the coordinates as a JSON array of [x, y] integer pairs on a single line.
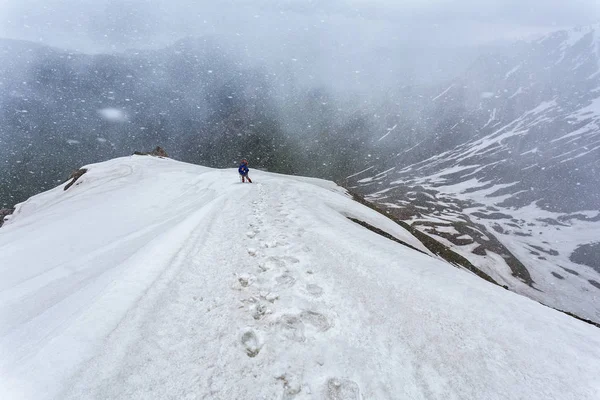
[[317, 320], [251, 234], [290, 260], [269, 296], [271, 263], [271, 244], [258, 311], [255, 223], [291, 385], [285, 280], [251, 343], [292, 327], [341, 389], [252, 251], [246, 280], [314, 290]]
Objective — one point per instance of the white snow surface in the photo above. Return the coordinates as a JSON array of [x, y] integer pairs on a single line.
[[155, 279]]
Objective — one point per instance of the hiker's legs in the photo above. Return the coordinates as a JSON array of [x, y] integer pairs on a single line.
[[249, 180], [243, 178]]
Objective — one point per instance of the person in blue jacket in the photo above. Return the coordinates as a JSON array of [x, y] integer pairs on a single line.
[[243, 170]]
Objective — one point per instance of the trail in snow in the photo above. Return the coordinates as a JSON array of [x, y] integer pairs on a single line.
[[259, 295], [249, 291]]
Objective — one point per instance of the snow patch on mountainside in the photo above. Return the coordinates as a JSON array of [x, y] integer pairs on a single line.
[[516, 174]]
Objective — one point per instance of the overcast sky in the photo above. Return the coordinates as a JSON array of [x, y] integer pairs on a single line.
[[361, 44], [105, 25]]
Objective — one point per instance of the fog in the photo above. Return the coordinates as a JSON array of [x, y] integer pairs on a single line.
[[112, 25], [328, 38], [329, 78]]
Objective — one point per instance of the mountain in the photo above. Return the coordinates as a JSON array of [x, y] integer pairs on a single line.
[[197, 99], [60, 109], [499, 164], [152, 278], [503, 165]]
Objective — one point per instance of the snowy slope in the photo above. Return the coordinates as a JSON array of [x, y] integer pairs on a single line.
[[509, 175], [152, 278]]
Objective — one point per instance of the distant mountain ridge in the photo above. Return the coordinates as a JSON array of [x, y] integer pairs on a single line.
[[61, 109], [196, 98]]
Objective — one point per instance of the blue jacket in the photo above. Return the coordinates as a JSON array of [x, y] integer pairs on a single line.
[[243, 169]]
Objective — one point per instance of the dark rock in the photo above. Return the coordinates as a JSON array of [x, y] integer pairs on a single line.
[[549, 251], [587, 254], [5, 212], [558, 275], [495, 215], [157, 152], [572, 272], [75, 176]]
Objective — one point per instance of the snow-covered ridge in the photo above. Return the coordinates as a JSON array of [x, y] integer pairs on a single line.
[[152, 278]]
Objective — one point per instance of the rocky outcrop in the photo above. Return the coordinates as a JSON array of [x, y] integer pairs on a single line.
[[5, 212], [157, 152], [75, 176]]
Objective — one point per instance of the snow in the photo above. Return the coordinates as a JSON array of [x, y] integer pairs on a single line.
[[564, 293], [411, 148], [159, 279], [516, 93], [441, 175], [390, 130], [384, 173], [360, 172], [512, 71], [543, 107], [535, 150], [479, 195], [366, 180], [588, 112], [443, 93], [447, 229], [582, 154], [592, 109], [518, 127], [567, 294], [574, 36], [492, 118]]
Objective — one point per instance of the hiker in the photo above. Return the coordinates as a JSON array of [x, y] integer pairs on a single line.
[[243, 170]]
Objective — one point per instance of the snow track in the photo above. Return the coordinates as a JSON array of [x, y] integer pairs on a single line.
[[197, 287]]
